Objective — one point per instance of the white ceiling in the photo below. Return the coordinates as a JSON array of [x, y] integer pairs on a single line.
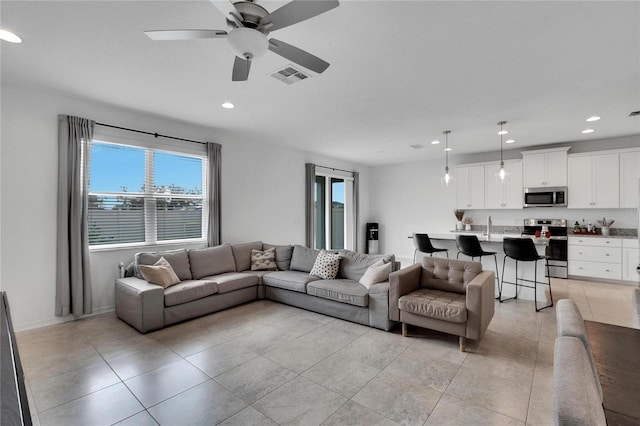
[[400, 74]]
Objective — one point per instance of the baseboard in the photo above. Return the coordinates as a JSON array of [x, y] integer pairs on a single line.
[[60, 320]]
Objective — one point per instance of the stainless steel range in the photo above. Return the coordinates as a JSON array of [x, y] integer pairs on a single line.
[[556, 250]]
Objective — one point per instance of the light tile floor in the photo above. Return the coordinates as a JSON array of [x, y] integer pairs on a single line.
[[265, 363]]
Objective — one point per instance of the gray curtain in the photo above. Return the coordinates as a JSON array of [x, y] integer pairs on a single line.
[[214, 161], [73, 277], [310, 181], [356, 206]]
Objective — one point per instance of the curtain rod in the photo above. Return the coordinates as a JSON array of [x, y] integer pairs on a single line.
[[157, 135], [332, 168]]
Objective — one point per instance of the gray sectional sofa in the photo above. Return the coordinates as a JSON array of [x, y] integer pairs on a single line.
[[216, 278]]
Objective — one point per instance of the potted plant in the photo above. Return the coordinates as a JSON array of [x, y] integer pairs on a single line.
[[459, 215], [467, 223]]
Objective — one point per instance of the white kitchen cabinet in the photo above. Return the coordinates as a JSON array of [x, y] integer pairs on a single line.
[[469, 182], [595, 257], [630, 260], [630, 179], [507, 194], [545, 167], [594, 181]]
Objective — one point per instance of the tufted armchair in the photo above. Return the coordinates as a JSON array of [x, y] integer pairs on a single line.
[[452, 296]]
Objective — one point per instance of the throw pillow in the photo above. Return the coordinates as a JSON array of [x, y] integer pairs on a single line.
[[376, 273], [326, 265], [161, 273], [263, 260]]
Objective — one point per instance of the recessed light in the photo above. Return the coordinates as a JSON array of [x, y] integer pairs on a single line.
[[435, 142], [510, 141], [593, 118], [9, 36], [588, 131], [448, 149], [228, 105]]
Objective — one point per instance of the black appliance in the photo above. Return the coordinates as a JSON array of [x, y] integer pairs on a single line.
[[556, 250], [545, 197], [372, 238]]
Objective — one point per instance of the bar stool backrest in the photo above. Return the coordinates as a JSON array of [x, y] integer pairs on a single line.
[[469, 245], [520, 249], [423, 243]]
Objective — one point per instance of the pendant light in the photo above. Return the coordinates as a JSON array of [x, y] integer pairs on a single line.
[[447, 179], [502, 174]]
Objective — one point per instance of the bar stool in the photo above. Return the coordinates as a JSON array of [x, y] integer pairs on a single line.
[[524, 250], [469, 245], [422, 242]]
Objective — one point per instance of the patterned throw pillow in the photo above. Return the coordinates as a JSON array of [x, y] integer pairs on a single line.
[[160, 273], [326, 265], [263, 260]]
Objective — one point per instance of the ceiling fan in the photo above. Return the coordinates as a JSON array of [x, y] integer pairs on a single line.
[[249, 25]]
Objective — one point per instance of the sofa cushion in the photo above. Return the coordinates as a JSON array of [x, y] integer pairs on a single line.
[[264, 260], [438, 304], [211, 261], [289, 280], [376, 273], [283, 255], [160, 273], [353, 265], [242, 254], [345, 291], [303, 258], [232, 281], [189, 290], [326, 265], [448, 274], [178, 259], [258, 274]]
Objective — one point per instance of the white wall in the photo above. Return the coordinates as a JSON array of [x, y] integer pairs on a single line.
[[262, 195]]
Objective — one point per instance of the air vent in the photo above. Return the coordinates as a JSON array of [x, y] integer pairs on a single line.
[[289, 75], [634, 114], [417, 146]]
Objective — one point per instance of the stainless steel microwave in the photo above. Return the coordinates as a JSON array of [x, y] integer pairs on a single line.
[[545, 197]]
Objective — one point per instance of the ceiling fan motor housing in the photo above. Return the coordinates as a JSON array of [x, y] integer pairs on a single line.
[[248, 43]]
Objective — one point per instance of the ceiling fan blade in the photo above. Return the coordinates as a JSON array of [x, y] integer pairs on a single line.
[[163, 35], [241, 69], [298, 56], [296, 11], [229, 11]]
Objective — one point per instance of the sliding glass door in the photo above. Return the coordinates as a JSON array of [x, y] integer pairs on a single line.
[[333, 212]]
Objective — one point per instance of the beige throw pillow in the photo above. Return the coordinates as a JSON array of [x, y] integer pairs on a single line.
[[263, 260], [376, 273], [161, 273]]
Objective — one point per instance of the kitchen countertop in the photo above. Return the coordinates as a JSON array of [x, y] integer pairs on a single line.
[[495, 238], [619, 237]]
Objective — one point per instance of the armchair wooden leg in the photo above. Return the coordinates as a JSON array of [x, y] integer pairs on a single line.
[[404, 329], [462, 341]]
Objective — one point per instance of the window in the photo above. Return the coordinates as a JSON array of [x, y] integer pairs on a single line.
[[333, 205], [141, 195]]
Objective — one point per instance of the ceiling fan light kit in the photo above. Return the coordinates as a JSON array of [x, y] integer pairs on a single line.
[[250, 24]]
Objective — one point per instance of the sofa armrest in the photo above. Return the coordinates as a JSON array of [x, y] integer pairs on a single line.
[[400, 283], [480, 304], [140, 303]]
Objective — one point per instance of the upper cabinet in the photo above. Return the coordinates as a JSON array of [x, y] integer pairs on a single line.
[[507, 194], [469, 187], [594, 181], [545, 167], [629, 179]]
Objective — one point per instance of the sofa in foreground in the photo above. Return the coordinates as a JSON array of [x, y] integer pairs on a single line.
[[215, 278]]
